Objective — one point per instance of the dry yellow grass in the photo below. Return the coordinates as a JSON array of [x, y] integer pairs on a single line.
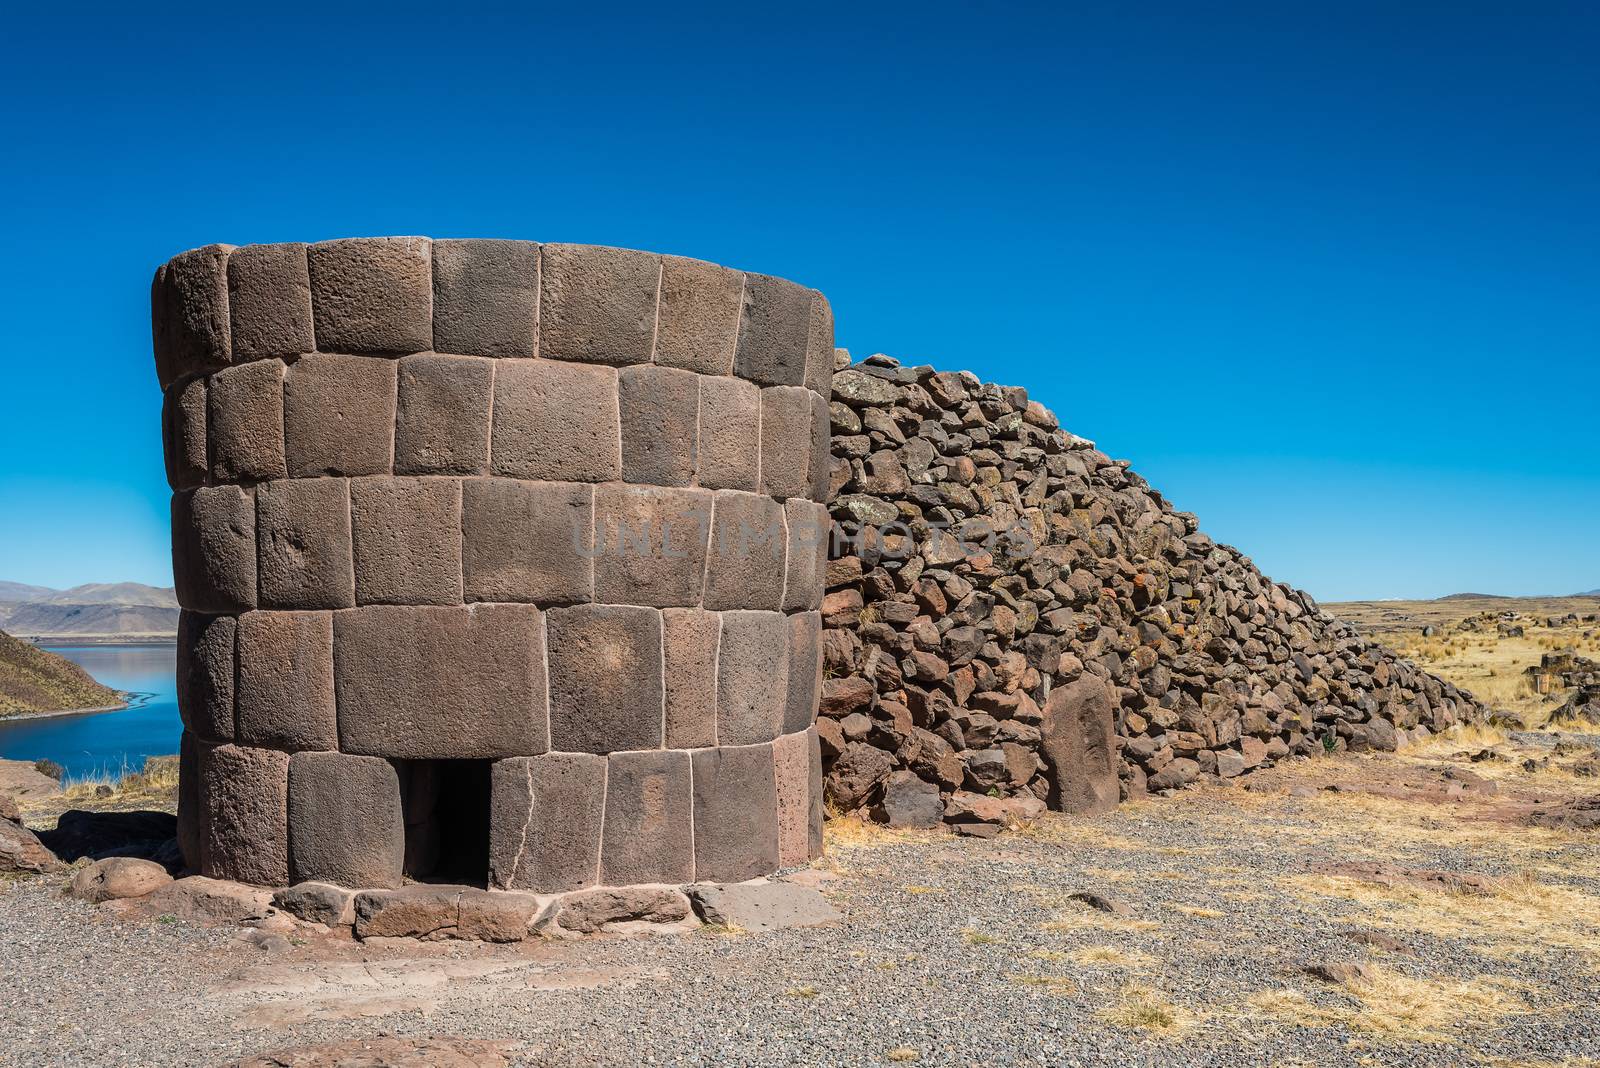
[[155, 783], [1111, 957], [1141, 1008], [1393, 1005]]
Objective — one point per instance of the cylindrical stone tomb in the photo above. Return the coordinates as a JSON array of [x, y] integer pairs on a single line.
[[500, 562]]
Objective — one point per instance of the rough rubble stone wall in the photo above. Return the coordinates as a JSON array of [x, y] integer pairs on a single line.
[[484, 500], [1069, 638]]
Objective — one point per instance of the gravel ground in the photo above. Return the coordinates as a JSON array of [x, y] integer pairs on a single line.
[[953, 951]]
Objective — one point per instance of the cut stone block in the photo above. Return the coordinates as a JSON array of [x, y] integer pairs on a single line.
[[660, 409], [544, 824], [821, 460], [285, 691], [189, 313], [763, 906], [556, 422], [183, 434], [442, 419], [774, 331], [407, 537], [205, 680], [699, 317], [189, 818], [735, 813], [345, 823], [649, 823], [527, 541], [495, 916], [808, 526], [331, 906], [815, 823], [1080, 744], [597, 305], [786, 416], [244, 815], [804, 681], [650, 545], [372, 295], [745, 568], [339, 416], [441, 683], [303, 546], [599, 910], [214, 549], [244, 422], [269, 302], [606, 689], [689, 639], [730, 434], [791, 757], [819, 347], [486, 297], [752, 677]]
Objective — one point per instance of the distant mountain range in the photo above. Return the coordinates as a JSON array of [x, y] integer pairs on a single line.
[[107, 610], [1509, 597]]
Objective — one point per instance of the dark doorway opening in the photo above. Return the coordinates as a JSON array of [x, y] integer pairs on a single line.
[[446, 807]]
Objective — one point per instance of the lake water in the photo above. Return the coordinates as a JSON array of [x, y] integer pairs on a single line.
[[102, 741]]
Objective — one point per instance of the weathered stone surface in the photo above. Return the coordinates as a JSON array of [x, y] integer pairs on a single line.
[[650, 545], [730, 434], [910, 802], [786, 414], [495, 916], [244, 815], [486, 297], [183, 434], [806, 556], [648, 821], [689, 659], [244, 422], [207, 900], [758, 907], [545, 822], [116, 878], [214, 549], [269, 302], [606, 687], [339, 416], [699, 316], [417, 911], [407, 538], [556, 422], [285, 681], [791, 757], [820, 465], [804, 641], [189, 313], [660, 411], [442, 415], [819, 347], [735, 813], [745, 562], [345, 822], [1080, 743], [752, 678], [205, 675], [21, 851], [441, 683], [774, 331], [856, 773], [372, 295], [597, 305], [303, 544], [189, 832], [593, 910], [332, 906], [527, 541]]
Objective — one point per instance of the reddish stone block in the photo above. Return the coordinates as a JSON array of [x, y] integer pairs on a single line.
[[430, 683], [269, 302], [183, 434], [786, 453], [814, 824], [205, 682], [345, 822], [285, 693], [730, 434], [660, 409], [699, 317], [556, 421], [597, 305], [807, 525], [407, 537], [214, 549], [735, 813], [527, 541], [650, 545], [819, 347], [649, 823], [486, 297], [544, 823], [821, 459], [606, 690], [804, 682], [372, 295], [303, 547], [752, 677], [745, 567], [244, 815], [442, 419], [339, 415], [689, 657], [244, 422], [791, 758], [773, 332], [189, 313]]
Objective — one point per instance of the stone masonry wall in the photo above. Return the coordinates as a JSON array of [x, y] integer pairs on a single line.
[[550, 506], [1014, 618]]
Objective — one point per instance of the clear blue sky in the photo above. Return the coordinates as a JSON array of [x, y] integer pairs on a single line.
[[1330, 280]]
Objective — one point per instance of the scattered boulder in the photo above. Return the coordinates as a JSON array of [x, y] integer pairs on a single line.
[[761, 906], [1104, 903], [1433, 879], [207, 900], [116, 878], [22, 852], [8, 808], [1343, 973]]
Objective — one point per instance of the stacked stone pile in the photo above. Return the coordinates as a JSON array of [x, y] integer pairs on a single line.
[[1580, 674], [1014, 618]]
